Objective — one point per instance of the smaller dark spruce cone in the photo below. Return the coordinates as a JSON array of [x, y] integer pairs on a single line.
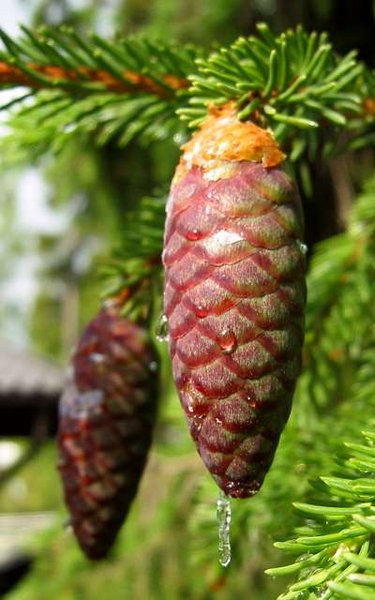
[[106, 419]]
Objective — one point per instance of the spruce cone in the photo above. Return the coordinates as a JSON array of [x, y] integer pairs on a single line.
[[107, 414], [234, 297]]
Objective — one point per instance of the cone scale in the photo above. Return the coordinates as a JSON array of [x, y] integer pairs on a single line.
[[106, 420], [234, 296]]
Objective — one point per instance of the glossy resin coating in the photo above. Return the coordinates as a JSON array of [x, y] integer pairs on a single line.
[[106, 420], [234, 300]]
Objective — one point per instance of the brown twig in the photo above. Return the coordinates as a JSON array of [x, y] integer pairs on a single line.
[[12, 75], [369, 106]]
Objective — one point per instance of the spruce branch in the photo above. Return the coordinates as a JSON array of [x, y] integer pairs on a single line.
[[341, 288], [112, 90], [60, 59], [135, 266], [285, 82], [137, 87], [335, 547]]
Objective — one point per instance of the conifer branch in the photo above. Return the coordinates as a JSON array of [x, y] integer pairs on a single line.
[[114, 90], [292, 79], [68, 62], [137, 262], [336, 551], [341, 287], [284, 82], [40, 76]]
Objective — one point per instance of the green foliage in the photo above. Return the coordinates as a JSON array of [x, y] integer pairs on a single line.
[[202, 21], [136, 263], [340, 313], [130, 88], [67, 51], [144, 225], [290, 81], [52, 120], [336, 550], [102, 77]]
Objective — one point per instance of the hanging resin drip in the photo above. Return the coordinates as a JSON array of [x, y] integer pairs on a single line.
[[224, 517]]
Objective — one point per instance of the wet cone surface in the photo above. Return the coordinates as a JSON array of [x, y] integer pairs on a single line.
[[234, 296], [107, 414]]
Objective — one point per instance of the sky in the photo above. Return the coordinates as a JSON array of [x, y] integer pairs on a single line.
[[32, 212], [12, 13]]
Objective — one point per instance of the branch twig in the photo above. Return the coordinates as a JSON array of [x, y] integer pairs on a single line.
[[55, 75]]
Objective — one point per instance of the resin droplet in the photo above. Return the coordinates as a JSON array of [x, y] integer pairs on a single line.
[[161, 331], [227, 341], [97, 357], [302, 247], [193, 235], [201, 311], [153, 366], [224, 517]]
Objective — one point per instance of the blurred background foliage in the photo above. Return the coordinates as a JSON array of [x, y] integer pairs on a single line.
[[167, 548]]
